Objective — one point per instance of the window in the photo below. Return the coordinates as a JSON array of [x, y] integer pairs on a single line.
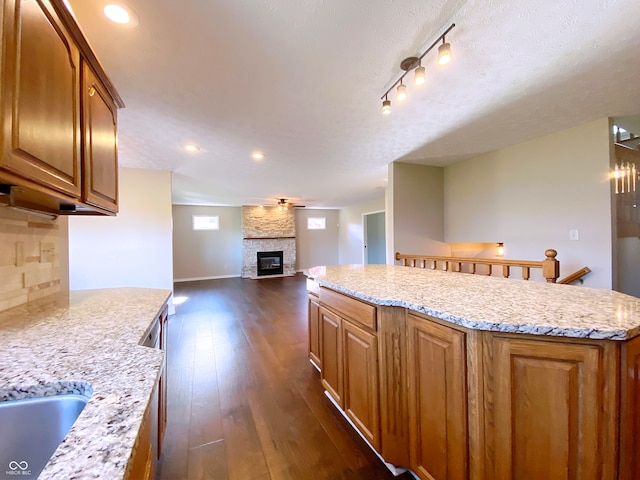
[[316, 223], [206, 222]]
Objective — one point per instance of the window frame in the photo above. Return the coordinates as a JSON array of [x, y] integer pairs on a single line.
[[321, 223], [214, 226]]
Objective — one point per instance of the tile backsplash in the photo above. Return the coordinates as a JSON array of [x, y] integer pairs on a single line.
[[29, 257]]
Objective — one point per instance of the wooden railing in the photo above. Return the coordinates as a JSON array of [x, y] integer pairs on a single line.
[[575, 275], [550, 266]]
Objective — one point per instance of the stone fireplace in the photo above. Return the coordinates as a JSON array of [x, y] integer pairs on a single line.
[[267, 230]]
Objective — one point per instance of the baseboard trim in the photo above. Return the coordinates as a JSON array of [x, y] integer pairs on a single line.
[[392, 468], [195, 279]]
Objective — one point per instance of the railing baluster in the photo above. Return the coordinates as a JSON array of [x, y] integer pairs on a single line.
[[506, 271], [525, 273]]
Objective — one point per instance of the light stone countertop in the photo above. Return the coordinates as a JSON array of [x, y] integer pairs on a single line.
[[86, 342], [490, 303]]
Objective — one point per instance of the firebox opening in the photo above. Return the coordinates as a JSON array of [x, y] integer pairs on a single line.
[[270, 263]]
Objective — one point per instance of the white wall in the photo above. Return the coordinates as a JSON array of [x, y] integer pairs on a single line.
[[530, 195], [199, 255], [415, 223], [351, 230], [316, 247], [132, 249]]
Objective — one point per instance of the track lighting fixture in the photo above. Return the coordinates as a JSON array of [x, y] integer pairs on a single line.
[[444, 57]]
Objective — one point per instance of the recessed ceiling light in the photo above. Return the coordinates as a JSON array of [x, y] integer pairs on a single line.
[[191, 148], [120, 14], [257, 155]]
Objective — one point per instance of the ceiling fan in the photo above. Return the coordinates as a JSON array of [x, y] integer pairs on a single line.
[[284, 204]]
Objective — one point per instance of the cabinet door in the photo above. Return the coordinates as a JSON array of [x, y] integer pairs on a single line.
[[438, 432], [630, 411], [331, 354], [162, 407], [314, 331], [361, 400], [100, 186], [162, 381], [40, 99], [547, 410]]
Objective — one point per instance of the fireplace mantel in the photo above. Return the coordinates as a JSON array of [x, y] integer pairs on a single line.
[[267, 238]]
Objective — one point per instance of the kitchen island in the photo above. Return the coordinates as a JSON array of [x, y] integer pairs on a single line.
[[88, 342], [463, 376]]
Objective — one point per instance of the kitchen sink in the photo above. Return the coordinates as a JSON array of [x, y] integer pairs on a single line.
[[31, 429]]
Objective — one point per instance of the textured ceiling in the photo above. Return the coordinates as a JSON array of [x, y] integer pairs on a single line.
[[301, 80]]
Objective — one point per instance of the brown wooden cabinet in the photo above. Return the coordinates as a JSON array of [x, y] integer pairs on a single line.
[[349, 355], [331, 351], [100, 160], [437, 386], [142, 464], [41, 132], [360, 390], [481, 405], [314, 331], [552, 411], [162, 381], [58, 114], [630, 411]]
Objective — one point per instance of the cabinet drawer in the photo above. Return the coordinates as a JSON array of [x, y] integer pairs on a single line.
[[355, 310]]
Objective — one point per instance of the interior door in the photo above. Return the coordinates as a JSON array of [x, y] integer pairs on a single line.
[[375, 247]]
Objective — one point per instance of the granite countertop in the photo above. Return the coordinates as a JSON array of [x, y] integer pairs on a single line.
[[490, 303], [86, 342]]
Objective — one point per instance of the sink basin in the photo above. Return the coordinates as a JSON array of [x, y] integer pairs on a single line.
[[31, 430]]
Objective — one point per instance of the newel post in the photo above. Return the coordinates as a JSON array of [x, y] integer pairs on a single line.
[[551, 266]]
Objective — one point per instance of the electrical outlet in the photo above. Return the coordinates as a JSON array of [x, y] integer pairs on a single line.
[[47, 252], [573, 235]]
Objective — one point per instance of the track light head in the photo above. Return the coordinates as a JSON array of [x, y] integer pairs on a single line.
[[444, 53], [402, 92], [386, 106], [420, 75]]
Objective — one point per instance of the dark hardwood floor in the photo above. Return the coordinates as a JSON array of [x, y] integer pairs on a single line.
[[244, 403]]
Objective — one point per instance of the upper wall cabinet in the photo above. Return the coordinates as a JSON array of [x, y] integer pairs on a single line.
[[100, 161], [40, 98], [59, 110]]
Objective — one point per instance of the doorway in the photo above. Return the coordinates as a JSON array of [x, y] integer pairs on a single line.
[[375, 248]]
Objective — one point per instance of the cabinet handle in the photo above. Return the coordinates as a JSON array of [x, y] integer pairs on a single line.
[[92, 91]]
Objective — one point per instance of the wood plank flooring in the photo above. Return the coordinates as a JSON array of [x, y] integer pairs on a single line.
[[244, 403]]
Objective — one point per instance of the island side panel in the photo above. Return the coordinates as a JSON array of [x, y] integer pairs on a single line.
[[630, 411], [552, 408], [394, 409]]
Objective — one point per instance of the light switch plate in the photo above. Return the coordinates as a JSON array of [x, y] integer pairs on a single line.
[[573, 235]]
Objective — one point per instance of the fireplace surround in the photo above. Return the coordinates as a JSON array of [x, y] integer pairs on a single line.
[[266, 229]]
